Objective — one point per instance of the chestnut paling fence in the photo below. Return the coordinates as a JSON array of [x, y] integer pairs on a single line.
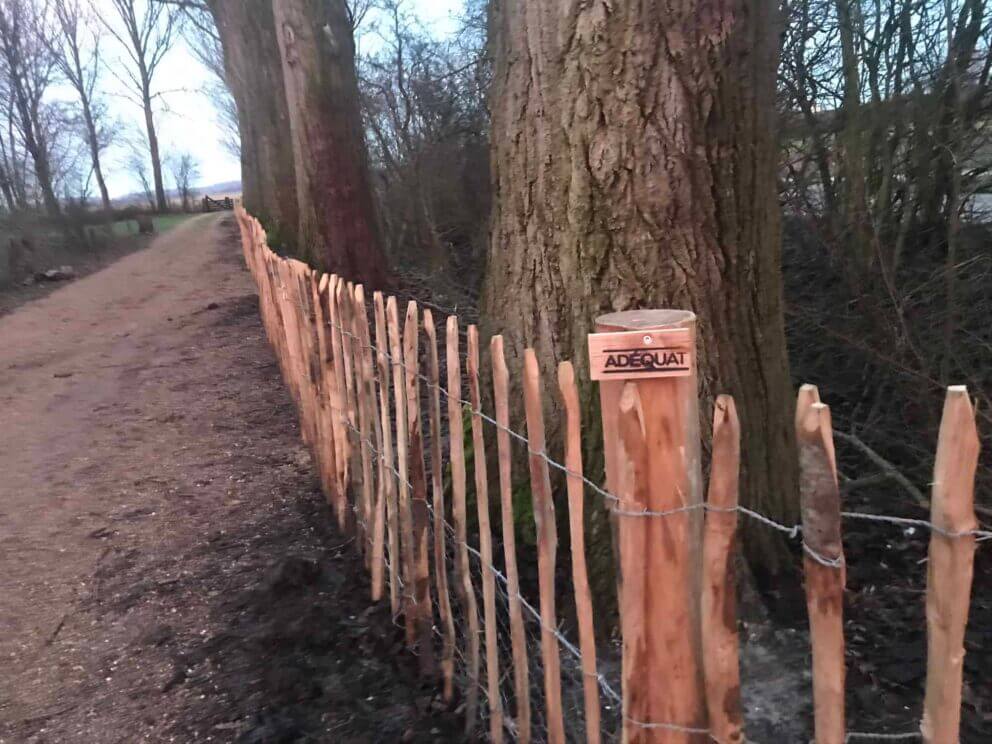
[[388, 437]]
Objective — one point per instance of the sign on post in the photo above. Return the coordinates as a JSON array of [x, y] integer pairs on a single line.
[[631, 355], [644, 361]]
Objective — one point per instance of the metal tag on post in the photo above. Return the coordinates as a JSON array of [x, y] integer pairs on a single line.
[[632, 355]]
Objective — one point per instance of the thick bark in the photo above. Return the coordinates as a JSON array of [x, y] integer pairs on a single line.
[[634, 166], [338, 224], [253, 72]]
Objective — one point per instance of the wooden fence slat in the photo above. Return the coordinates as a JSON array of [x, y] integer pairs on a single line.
[[721, 663], [339, 406], [518, 636], [950, 566], [325, 458], [418, 477], [547, 544], [437, 486], [456, 443], [381, 475], [580, 577], [362, 403], [823, 565], [388, 479], [402, 462], [346, 291], [491, 629]]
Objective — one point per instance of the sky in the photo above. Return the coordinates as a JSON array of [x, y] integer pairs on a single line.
[[186, 121]]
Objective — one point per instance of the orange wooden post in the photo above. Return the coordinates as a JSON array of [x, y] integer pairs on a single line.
[[580, 577], [459, 512], [721, 663], [437, 487], [421, 521], [388, 474], [362, 401], [326, 458], [339, 406], [518, 635], [547, 544], [823, 565], [402, 461], [485, 542], [950, 566], [645, 361], [345, 312]]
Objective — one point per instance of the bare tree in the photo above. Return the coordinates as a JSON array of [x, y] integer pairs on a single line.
[[76, 49], [185, 172], [29, 69], [147, 31]]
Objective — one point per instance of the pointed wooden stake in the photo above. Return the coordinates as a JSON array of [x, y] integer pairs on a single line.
[[721, 663], [580, 577], [950, 566], [824, 569], [518, 636], [491, 629], [437, 487], [547, 544], [456, 441], [418, 503], [402, 461], [388, 475]]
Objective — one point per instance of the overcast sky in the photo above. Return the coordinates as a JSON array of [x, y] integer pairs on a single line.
[[186, 120]]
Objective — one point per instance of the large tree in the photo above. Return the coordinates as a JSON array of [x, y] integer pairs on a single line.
[[339, 230], [252, 69], [634, 161]]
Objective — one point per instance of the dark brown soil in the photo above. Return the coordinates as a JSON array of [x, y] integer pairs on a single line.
[[169, 570]]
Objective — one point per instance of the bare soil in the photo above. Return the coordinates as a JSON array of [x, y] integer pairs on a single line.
[[168, 569]]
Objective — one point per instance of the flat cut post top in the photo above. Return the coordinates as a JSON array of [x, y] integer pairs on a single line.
[[643, 344], [642, 320]]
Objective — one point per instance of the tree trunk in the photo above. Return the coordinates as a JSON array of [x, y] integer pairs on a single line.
[[94, 149], [338, 225], [160, 202], [253, 72], [634, 163]]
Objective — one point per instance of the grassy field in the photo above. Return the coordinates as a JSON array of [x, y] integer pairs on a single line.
[[162, 223]]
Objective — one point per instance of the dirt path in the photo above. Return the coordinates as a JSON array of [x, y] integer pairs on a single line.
[[167, 569]]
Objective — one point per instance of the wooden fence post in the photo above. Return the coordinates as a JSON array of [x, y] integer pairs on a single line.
[[437, 487], [547, 544], [823, 565], [402, 461], [362, 404], [389, 481], [721, 663], [491, 630], [456, 442], [950, 566], [518, 635], [580, 577], [418, 507], [339, 406], [656, 471]]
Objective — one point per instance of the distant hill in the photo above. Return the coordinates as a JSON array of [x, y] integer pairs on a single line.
[[215, 190]]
